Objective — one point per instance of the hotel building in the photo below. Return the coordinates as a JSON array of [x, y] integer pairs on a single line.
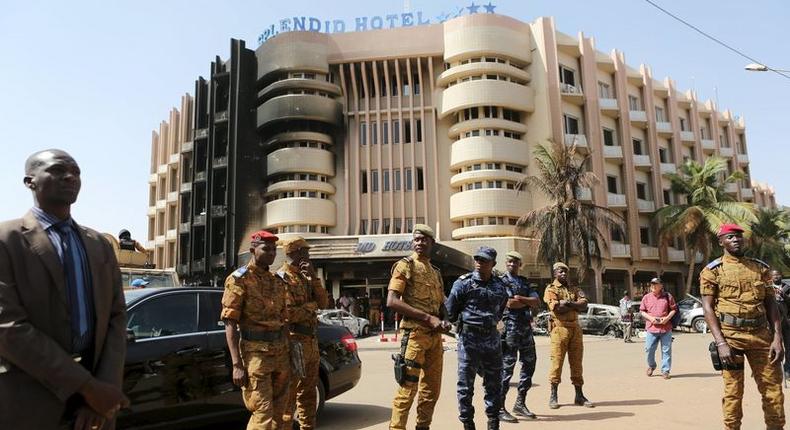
[[350, 139]]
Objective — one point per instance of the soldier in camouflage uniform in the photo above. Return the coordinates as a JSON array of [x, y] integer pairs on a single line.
[[416, 292], [477, 301], [305, 295], [254, 312], [565, 302], [517, 341], [739, 306]]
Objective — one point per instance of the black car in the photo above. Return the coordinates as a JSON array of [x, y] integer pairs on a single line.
[[178, 368]]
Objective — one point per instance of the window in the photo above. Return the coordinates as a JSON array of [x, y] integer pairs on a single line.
[[397, 179], [469, 113], [660, 117], [567, 76], [374, 129], [383, 85], [637, 146], [641, 190], [408, 179], [644, 235], [608, 137], [663, 155], [511, 115], [418, 126], [363, 182], [394, 86], [617, 235], [571, 124], [490, 111], [409, 225], [396, 131], [605, 91], [397, 223], [374, 226], [385, 132], [167, 315], [420, 182], [363, 133], [683, 124], [415, 80], [633, 103], [611, 184], [386, 179], [667, 197], [385, 226], [374, 181], [363, 227], [407, 131]]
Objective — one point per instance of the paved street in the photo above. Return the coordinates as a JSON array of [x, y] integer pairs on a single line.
[[615, 381]]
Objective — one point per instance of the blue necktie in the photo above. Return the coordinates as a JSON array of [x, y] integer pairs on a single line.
[[76, 295]]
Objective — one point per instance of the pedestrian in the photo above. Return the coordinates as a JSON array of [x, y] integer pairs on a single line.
[[782, 293], [739, 306], [626, 316], [254, 312], [477, 302], [375, 309], [347, 302], [518, 343], [565, 302], [417, 294], [363, 303], [62, 310], [305, 296], [657, 308]]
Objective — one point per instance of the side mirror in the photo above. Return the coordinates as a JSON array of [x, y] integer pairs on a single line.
[[130, 337]]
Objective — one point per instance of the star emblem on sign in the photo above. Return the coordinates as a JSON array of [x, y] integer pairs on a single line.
[[489, 7], [473, 8]]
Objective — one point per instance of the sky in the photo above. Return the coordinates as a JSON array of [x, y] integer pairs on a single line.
[[95, 78]]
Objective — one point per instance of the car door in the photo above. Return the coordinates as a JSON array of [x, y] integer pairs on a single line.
[[219, 365], [598, 319], [349, 322], [163, 375], [584, 318]]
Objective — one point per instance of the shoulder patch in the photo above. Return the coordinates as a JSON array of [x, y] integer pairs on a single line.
[[240, 272], [761, 262], [714, 264], [464, 276]]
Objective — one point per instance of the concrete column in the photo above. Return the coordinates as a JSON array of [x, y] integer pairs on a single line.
[[598, 282]]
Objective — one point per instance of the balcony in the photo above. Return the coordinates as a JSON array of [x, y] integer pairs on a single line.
[[731, 188], [184, 227], [648, 206], [667, 168], [200, 176], [664, 128], [638, 117], [572, 94], [616, 200], [613, 152], [221, 116], [161, 204], [199, 220], [152, 178], [747, 193], [201, 133], [687, 136], [187, 147], [642, 162], [609, 107], [307, 107], [676, 255], [186, 187], [219, 211], [217, 261], [649, 252], [620, 250], [579, 139], [219, 162], [743, 159], [708, 145], [584, 194], [726, 151], [171, 235], [486, 93], [172, 197]]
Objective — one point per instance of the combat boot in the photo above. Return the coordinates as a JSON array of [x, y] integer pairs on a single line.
[[580, 400], [494, 424], [553, 398], [520, 408], [505, 416], [469, 425], [422, 428]]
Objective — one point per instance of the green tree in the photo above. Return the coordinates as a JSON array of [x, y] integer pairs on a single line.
[[705, 206], [770, 237], [566, 226]]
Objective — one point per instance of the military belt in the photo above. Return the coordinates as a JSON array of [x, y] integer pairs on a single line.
[[478, 329], [261, 335], [302, 329], [734, 321]]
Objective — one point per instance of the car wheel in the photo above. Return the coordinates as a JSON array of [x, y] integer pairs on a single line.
[[699, 325], [365, 331], [610, 332], [320, 397]]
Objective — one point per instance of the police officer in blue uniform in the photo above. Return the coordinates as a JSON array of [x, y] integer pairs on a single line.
[[476, 302], [517, 341]]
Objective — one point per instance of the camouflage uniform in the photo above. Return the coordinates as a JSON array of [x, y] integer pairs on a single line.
[[420, 286], [478, 306], [566, 335], [256, 300], [518, 343], [305, 297], [738, 286]]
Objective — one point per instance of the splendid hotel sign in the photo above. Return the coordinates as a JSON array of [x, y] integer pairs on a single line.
[[364, 23]]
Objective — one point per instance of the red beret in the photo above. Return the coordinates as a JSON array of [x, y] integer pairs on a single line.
[[729, 228], [263, 236]]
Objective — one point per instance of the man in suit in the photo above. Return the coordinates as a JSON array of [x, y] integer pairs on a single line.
[[62, 310]]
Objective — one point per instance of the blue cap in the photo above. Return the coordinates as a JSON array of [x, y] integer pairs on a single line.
[[139, 283], [486, 253]]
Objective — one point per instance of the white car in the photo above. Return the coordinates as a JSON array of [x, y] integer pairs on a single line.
[[691, 314], [359, 327]]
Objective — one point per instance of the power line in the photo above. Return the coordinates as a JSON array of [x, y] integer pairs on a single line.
[[693, 27]]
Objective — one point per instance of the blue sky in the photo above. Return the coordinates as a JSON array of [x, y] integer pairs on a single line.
[[96, 77]]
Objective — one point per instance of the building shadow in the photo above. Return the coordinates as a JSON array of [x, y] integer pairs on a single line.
[[695, 375], [634, 402], [587, 416], [348, 416]]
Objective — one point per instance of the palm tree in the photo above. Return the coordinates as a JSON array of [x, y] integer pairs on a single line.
[[706, 207], [770, 237], [566, 226]]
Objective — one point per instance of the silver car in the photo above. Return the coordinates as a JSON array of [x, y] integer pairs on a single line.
[[691, 314], [359, 327]]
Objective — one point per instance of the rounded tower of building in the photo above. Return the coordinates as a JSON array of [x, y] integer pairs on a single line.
[[297, 116], [486, 95]]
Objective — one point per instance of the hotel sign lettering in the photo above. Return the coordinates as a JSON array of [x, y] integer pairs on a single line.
[[364, 23], [388, 246]]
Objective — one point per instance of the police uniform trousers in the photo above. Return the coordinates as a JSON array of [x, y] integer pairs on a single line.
[[523, 351], [755, 346], [479, 353], [566, 339], [786, 342], [266, 393], [424, 360], [302, 398]]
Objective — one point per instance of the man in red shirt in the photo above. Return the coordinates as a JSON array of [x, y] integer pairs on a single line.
[[658, 307]]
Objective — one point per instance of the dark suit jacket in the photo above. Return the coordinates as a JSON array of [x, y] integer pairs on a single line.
[[37, 372]]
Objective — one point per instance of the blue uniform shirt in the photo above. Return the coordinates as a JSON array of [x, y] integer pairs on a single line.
[[518, 318], [475, 302]]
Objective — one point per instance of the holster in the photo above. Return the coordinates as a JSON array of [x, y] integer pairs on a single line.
[[297, 359], [399, 359], [716, 360]]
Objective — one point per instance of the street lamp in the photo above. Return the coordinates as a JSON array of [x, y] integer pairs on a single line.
[[754, 67]]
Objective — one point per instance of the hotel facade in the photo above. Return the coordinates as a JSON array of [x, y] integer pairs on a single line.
[[350, 139]]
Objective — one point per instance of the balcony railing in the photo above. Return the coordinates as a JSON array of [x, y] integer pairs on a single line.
[[645, 205], [726, 151], [747, 193], [220, 161], [201, 133], [219, 210], [620, 250], [613, 151], [687, 136], [642, 161], [579, 139], [731, 188], [584, 194], [743, 158], [649, 252], [664, 127], [616, 200], [676, 254], [608, 104], [637, 116], [221, 116], [668, 168], [570, 89], [200, 176], [708, 145]]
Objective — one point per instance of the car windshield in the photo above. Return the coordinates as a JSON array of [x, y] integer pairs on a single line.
[[154, 280], [133, 295]]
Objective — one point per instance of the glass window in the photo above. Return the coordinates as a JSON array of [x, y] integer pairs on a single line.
[[396, 131], [408, 179], [567, 76], [385, 132], [634, 104], [637, 146], [166, 315], [386, 179], [363, 133], [420, 182], [641, 190], [374, 129], [418, 125], [407, 131], [608, 137], [571, 124], [374, 181], [363, 181], [397, 179], [611, 184], [363, 226]]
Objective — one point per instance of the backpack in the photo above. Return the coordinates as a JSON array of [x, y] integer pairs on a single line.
[[675, 318]]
